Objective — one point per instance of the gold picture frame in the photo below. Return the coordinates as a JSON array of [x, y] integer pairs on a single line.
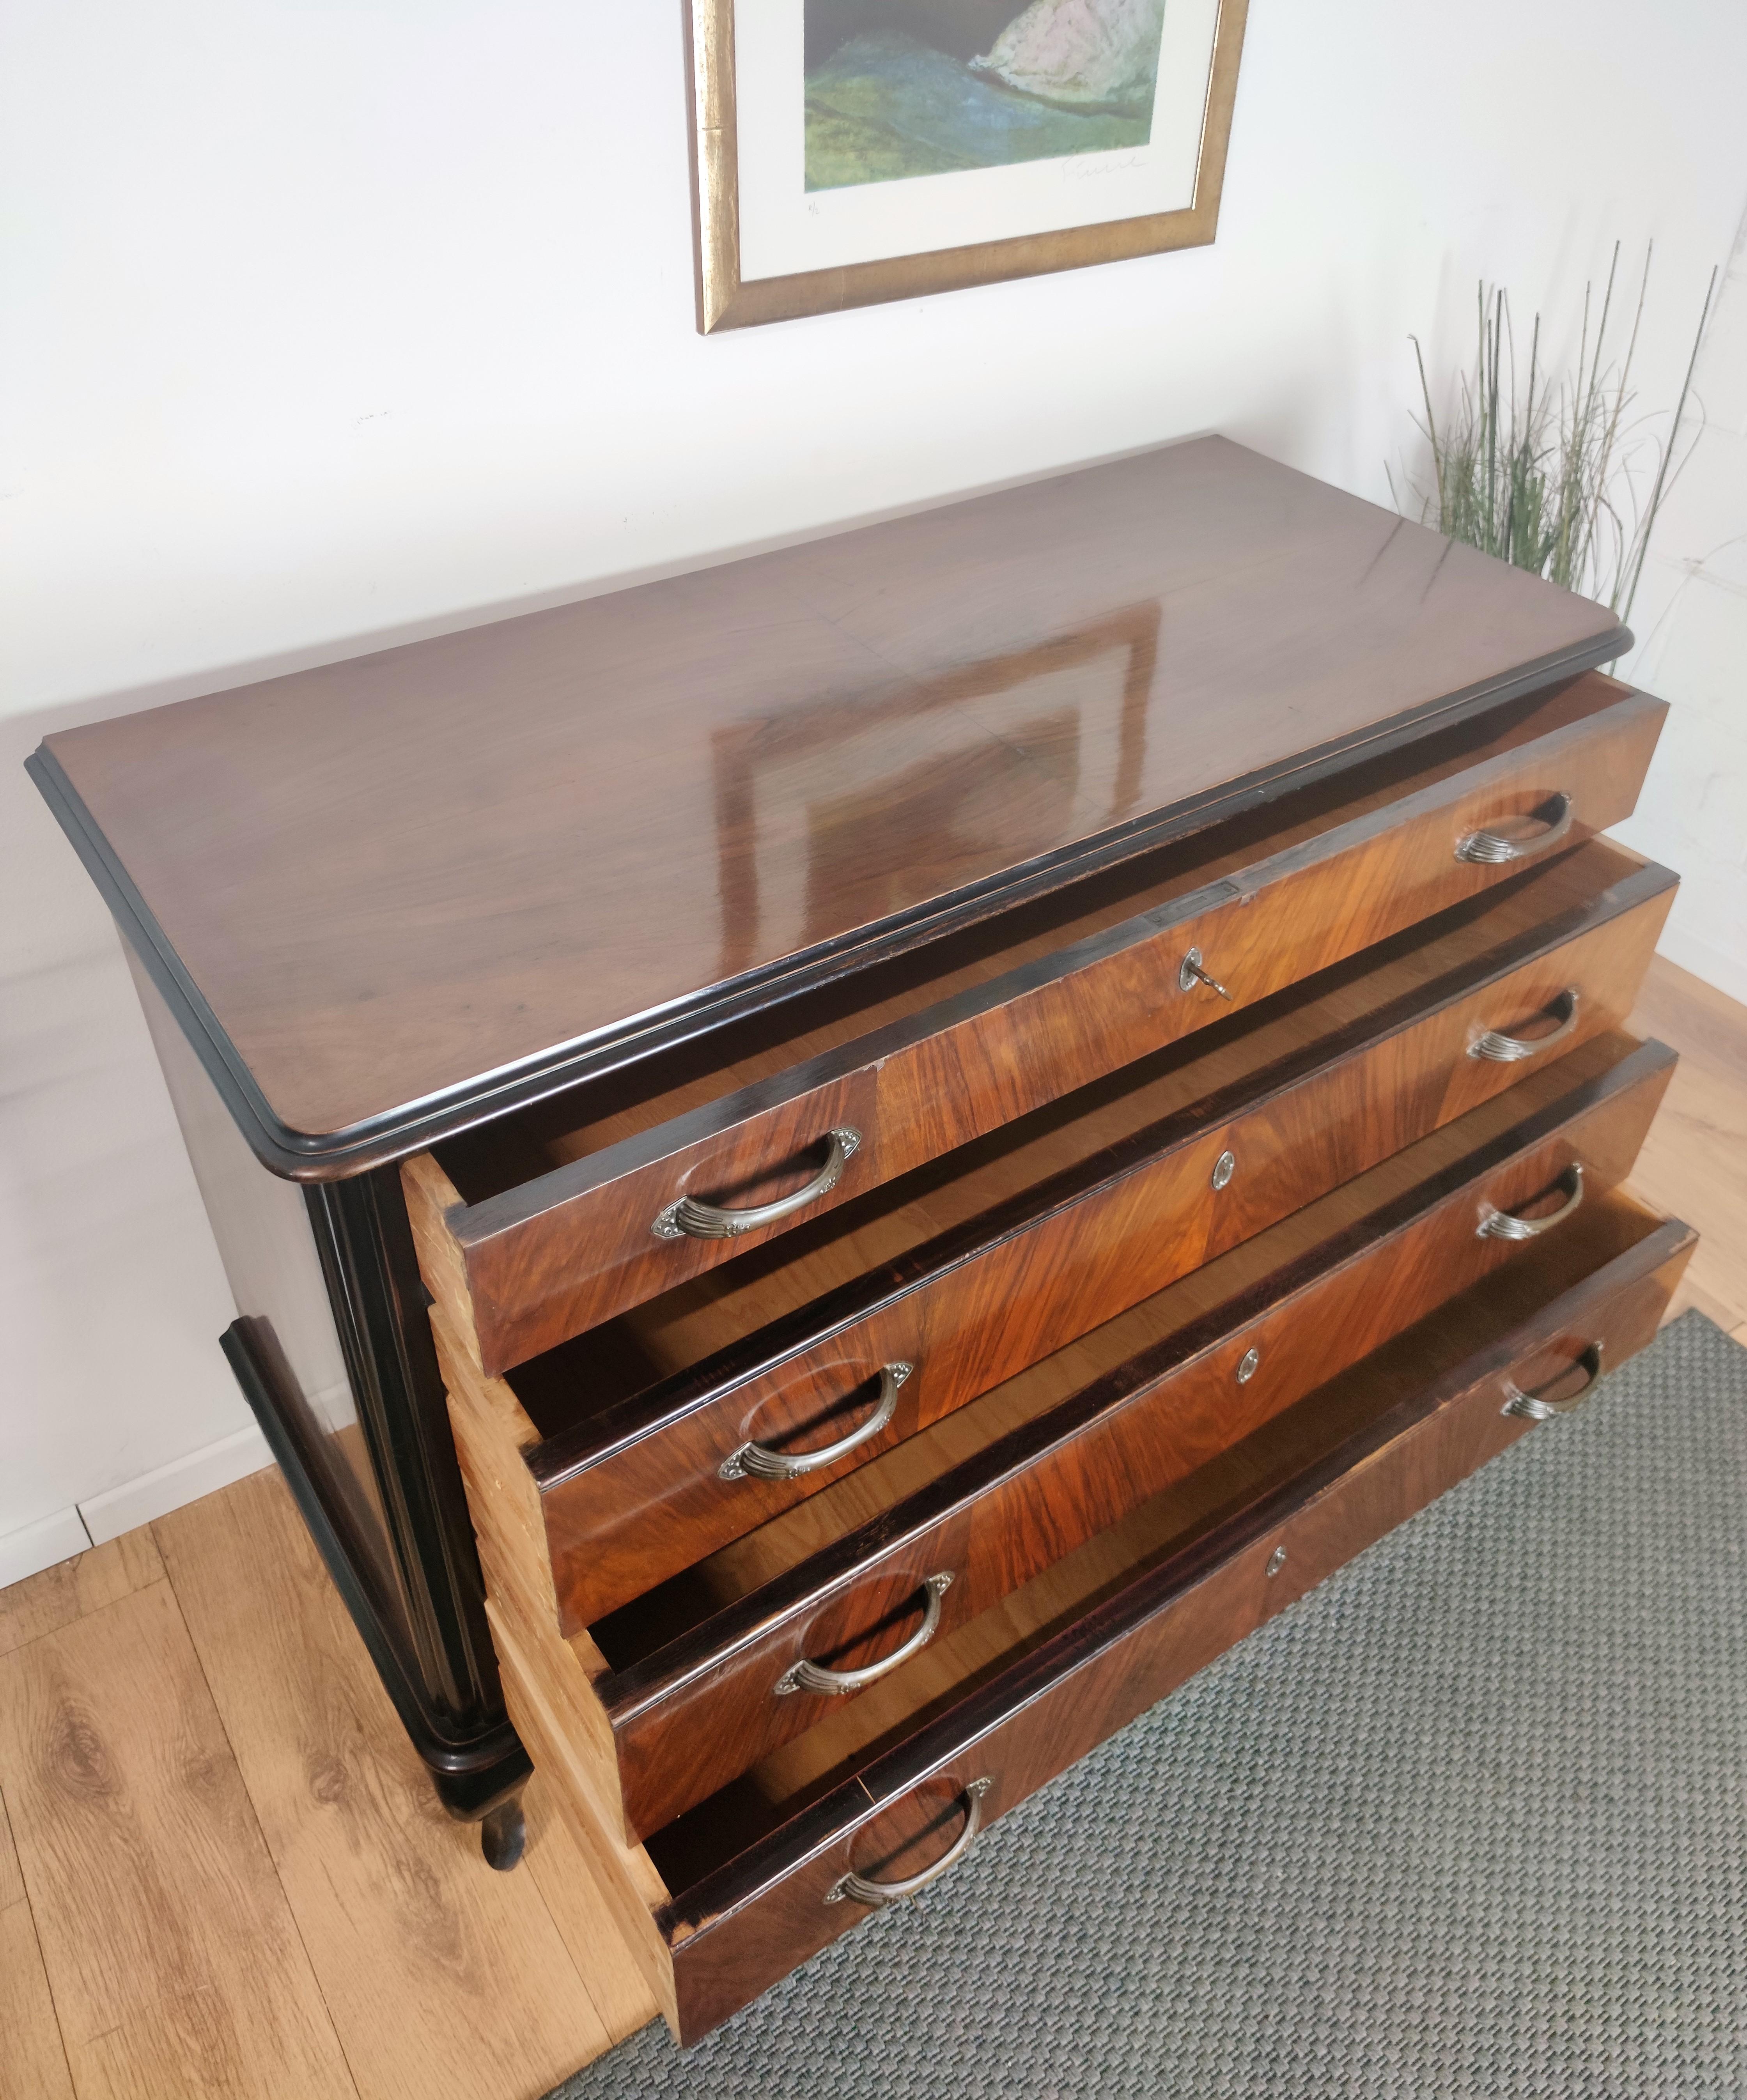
[[725, 300]]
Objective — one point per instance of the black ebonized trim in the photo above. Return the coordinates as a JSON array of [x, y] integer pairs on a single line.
[[475, 1768], [334, 1155], [421, 1613], [365, 1243]]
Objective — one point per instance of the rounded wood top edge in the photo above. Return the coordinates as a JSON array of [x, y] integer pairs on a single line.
[[354, 1148]]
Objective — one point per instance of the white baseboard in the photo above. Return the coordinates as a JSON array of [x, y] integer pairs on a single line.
[[41, 1545], [1687, 951], [185, 1479]]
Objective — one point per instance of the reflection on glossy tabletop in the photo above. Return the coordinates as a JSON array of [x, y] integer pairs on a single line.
[[1068, 718], [388, 878]]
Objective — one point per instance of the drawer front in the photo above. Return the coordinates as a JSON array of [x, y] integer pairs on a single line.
[[558, 1255], [697, 1713], [739, 1931], [642, 1495]]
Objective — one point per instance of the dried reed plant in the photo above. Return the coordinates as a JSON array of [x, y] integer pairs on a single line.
[[1546, 473]]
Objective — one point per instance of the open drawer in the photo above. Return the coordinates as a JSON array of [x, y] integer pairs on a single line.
[[860, 1329], [555, 1218], [729, 1898], [700, 1679]]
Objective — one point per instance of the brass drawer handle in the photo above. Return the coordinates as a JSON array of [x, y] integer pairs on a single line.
[[1501, 1225], [1510, 1049], [876, 1894], [810, 1677], [769, 1465], [688, 1219], [1531, 1407], [1494, 848]]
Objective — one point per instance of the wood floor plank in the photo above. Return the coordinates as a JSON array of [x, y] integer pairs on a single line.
[[12, 1880], [442, 1976], [174, 1964], [33, 2063], [1694, 1162], [1697, 1019], [621, 1995], [45, 1603], [1690, 1297]]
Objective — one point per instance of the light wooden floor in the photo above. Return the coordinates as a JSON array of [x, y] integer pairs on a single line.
[[227, 1873]]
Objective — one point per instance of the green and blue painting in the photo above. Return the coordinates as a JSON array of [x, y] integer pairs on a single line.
[[896, 88]]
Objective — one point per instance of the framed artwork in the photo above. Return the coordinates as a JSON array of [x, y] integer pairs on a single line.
[[846, 151]]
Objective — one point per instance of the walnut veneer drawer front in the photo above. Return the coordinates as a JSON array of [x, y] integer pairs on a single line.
[[1017, 1246], [727, 1900], [908, 1063], [857, 1585], [689, 1716]]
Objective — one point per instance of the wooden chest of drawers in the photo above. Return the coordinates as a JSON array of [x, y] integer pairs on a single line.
[[947, 1118]]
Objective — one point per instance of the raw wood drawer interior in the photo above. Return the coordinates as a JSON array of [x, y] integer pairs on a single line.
[[548, 1214], [1025, 1473], [630, 1466], [730, 1895]]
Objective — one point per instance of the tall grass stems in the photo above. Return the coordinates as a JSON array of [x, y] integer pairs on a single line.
[[1545, 472]]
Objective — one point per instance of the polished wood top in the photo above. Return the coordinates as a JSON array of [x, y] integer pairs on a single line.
[[385, 894]]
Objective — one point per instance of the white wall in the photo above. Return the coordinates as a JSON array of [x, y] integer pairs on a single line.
[[333, 324], [1691, 617]]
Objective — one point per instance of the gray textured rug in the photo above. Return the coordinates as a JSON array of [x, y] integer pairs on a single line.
[[1471, 1819]]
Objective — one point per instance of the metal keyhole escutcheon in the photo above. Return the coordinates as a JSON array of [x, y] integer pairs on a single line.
[[1192, 971]]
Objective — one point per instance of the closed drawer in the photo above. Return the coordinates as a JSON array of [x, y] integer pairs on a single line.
[[726, 1901], [1009, 1250], [554, 1220], [695, 1682]]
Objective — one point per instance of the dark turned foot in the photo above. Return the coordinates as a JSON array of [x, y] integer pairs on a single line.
[[503, 1833]]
